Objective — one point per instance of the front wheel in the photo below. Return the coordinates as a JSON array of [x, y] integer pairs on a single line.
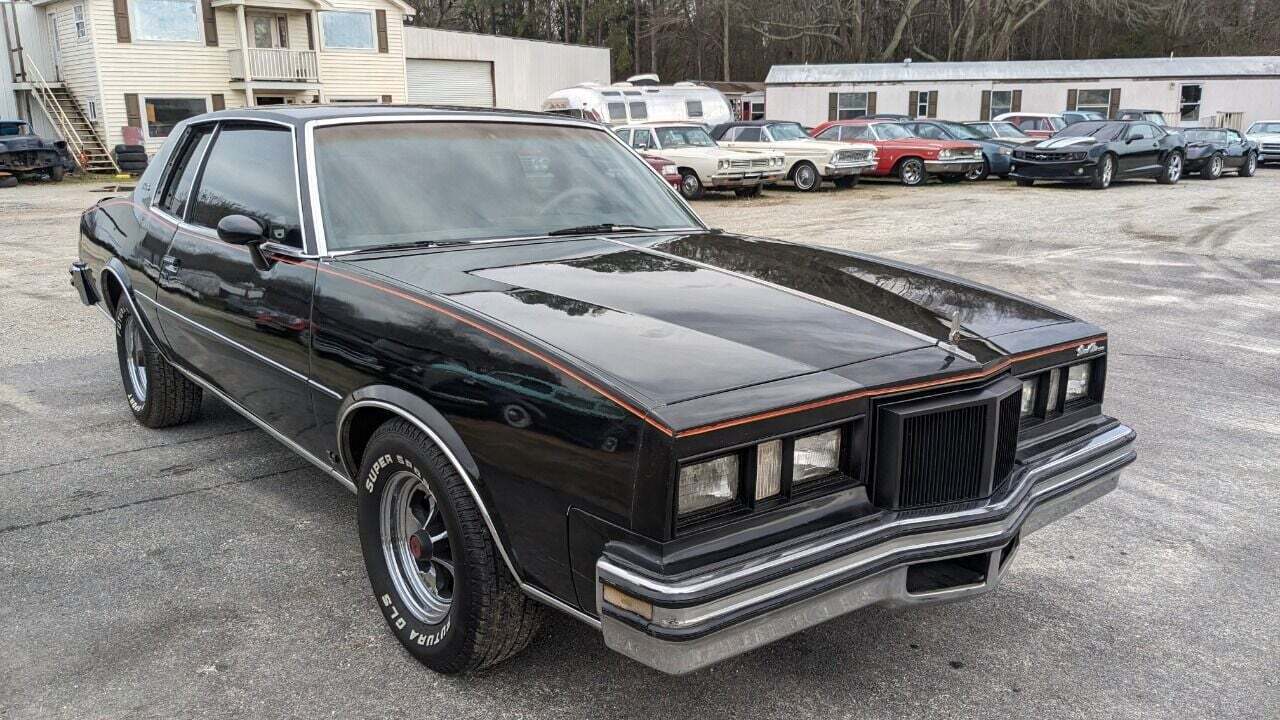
[[1172, 171], [690, 185], [1213, 169], [1250, 165], [1103, 173], [806, 178], [158, 395], [979, 173], [911, 172], [435, 572]]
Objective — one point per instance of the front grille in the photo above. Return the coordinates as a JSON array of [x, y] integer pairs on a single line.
[[848, 156], [1271, 147], [944, 449], [942, 457], [744, 164]]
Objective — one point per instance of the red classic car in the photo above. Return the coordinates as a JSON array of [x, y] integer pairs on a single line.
[[902, 155], [665, 168]]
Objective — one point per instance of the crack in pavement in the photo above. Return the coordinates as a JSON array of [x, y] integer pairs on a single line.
[[145, 501], [7, 473]]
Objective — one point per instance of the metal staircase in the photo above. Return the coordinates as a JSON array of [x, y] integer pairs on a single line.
[[82, 137]]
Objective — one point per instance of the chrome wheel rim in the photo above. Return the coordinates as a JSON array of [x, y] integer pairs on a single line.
[[1215, 166], [135, 360], [1175, 167], [416, 547], [911, 173], [1106, 171], [804, 177], [1252, 162], [689, 184], [977, 172]]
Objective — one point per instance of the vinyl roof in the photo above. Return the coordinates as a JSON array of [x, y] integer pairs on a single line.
[[1025, 70]]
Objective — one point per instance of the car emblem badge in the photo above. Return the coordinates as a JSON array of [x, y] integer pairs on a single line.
[[1092, 347]]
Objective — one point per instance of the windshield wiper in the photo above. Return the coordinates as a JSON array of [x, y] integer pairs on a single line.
[[600, 228], [412, 245]]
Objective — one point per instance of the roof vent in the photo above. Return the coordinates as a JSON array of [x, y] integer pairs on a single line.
[[621, 83], [906, 61], [645, 79], [686, 83]]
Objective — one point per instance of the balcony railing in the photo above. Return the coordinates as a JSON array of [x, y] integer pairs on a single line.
[[275, 64]]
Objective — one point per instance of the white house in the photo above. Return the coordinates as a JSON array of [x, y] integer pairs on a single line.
[[1189, 91]]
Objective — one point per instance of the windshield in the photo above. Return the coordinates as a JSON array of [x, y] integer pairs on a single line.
[[12, 128], [889, 131], [1204, 135], [1265, 127], [963, 132], [788, 131], [1105, 131], [685, 136], [420, 182]]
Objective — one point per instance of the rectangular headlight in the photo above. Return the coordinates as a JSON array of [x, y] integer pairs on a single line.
[[708, 483], [815, 456], [1078, 377], [1029, 389]]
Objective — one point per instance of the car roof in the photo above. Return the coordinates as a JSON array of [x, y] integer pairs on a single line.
[[1138, 110], [1024, 114], [761, 123], [302, 114]]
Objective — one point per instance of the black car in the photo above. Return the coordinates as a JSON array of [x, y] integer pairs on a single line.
[[997, 155], [550, 384], [1098, 152], [1211, 151], [22, 152]]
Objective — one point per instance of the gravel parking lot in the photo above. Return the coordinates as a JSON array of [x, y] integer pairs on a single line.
[[207, 571]]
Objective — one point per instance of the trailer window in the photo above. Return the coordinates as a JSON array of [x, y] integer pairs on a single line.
[[639, 111], [617, 111], [693, 107]]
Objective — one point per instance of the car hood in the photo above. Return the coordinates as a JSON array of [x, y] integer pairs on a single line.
[[710, 153], [1264, 137], [675, 317], [1068, 143], [925, 144], [817, 147]]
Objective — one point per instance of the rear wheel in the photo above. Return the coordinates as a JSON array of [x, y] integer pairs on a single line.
[[911, 172], [158, 395], [806, 178], [1172, 170], [691, 185], [1250, 165], [436, 575], [1103, 173], [1213, 169]]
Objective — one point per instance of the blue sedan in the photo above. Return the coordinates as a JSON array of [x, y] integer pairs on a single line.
[[997, 155]]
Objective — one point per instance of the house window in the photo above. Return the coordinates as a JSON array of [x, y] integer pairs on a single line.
[[922, 104], [1096, 100], [851, 105], [91, 109], [347, 29], [353, 101], [1001, 102], [77, 16], [694, 108], [1189, 109], [166, 20], [165, 112]]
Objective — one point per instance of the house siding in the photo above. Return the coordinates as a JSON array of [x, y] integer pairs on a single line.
[[366, 73], [76, 66]]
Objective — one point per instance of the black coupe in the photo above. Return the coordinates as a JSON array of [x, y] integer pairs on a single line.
[[550, 384], [1212, 151], [1099, 152]]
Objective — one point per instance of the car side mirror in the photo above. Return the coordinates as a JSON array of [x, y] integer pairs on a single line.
[[244, 230], [1131, 140]]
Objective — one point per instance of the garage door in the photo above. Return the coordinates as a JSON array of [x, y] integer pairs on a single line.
[[450, 82]]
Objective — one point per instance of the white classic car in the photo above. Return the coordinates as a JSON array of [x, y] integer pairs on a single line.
[[1267, 134], [703, 164], [809, 161]]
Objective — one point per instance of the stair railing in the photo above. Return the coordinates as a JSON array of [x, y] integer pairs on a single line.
[[53, 109]]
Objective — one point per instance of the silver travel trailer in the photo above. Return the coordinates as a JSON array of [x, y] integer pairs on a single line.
[[641, 99]]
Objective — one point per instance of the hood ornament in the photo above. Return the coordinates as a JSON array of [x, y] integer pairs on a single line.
[[954, 335]]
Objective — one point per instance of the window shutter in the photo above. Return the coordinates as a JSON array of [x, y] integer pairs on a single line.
[[985, 112], [933, 104], [913, 101], [219, 102], [210, 23], [311, 33], [1017, 101], [871, 103], [122, 21], [832, 106], [133, 115], [1071, 99], [1115, 103], [382, 31], [386, 99]]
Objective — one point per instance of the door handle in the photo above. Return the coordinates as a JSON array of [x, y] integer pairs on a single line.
[[169, 266]]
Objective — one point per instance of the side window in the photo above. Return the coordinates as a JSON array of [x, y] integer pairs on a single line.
[[729, 135], [250, 171], [748, 134], [929, 131], [178, 187], [857, 132], [831, 133], [1139, 132], [624, 134], [642, 139]]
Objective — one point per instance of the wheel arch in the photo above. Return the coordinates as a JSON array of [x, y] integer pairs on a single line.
[[795, 167], [114, 284]]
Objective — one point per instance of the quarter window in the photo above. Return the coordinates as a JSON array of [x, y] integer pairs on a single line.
[[347, 29], [174, 198], [1189, 108], [831, 133], [1095, 99], [164, 113], [748, 134], [166, 20], [250, 171], [851, 105], [1001, 102]]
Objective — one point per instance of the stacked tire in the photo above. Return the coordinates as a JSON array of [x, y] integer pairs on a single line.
[[131, 159]]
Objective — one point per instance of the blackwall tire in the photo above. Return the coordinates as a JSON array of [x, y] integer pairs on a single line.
[[1250, 166], [8, 181], [131, 157], [158, 395], [1213, 169], [485, 618], [1171, 173], [130, 148], [1104, 173]]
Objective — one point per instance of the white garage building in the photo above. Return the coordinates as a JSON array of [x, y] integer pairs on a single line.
[[1232, 91], [455, 68]]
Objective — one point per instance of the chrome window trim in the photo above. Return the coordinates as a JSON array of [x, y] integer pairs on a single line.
[[317, 212], [528, 589], [166, 176]]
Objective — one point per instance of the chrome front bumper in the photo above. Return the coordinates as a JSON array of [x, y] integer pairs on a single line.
[[961, 165], [705, 617], [847, 169], [743, 178]]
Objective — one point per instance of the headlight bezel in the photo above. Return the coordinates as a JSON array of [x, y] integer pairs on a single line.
[[1051, 389], [749, 483]]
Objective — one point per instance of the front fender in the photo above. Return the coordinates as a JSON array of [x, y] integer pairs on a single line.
[[414, 408]]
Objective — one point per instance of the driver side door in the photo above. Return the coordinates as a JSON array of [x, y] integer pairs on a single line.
[[1139, 151]]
